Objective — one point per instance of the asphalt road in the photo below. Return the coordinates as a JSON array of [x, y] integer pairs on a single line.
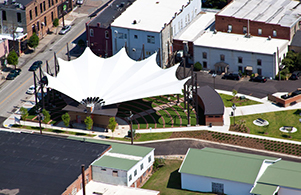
[[180, 147]]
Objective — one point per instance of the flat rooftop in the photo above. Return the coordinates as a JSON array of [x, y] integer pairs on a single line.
[[93, 188], [231, 41], [40, 164], [283, 12], [197, 27], [150, 15]]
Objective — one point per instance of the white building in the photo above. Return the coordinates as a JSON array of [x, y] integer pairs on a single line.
[[124, 164], [148, 23], [232, 52], [236, 173]]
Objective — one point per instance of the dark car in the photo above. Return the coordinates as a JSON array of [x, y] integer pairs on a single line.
[[258, 79], [16, 71], [35, 65], [11, 76], [232, 76], [295, 75]]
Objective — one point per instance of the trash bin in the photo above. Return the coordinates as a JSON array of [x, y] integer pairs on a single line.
[[232, 114]]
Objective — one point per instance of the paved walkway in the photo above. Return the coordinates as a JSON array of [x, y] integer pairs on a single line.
[[123, 128]]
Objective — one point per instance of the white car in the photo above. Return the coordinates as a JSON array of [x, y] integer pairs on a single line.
[[30, 90], [79, 2], [65, 29]]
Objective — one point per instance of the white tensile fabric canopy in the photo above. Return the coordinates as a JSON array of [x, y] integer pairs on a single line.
[[115, 79]]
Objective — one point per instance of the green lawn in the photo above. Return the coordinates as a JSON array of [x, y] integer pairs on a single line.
[[276, 120], [228, 101], [167, 180], [148, 136]]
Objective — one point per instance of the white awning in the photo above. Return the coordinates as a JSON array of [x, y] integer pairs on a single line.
[[115, 79]]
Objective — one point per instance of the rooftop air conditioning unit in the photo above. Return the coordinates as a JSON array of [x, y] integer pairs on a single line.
[[229, 31], [269, 38]]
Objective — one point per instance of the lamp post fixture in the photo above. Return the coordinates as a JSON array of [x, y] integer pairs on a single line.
[[130, 118], [234, 108], [213, 76]]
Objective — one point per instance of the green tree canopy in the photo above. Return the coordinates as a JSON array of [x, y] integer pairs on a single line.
[[81, 43], [89, 122], [46, 116], [66, 119], [33, 41], [55, 22], [198, 66], [12, 58], [112, 124], [24, 113]]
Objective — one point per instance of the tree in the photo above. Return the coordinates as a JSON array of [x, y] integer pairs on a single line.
[[66, 119], [24, 113], [12, 58], [234, 92], [55, 22], [89, 122], [46, 116], [33, 41], [81, 43], [112, 124], [198, 66]]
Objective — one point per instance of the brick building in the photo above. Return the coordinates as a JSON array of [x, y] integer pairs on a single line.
[[265, 18], [30, 16]]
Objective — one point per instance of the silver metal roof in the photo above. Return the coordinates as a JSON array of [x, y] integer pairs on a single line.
[[283, 12]]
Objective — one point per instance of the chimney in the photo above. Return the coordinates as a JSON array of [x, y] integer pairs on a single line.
[[98, 24]]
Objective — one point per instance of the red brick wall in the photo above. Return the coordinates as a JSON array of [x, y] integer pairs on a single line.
[[284, 102], [222, 22], [215, 121]]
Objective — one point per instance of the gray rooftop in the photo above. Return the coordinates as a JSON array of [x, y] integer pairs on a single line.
[[283, 12], [39, 164], [212, 101]]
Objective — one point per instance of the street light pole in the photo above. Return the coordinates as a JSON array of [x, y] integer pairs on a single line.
[[213, 76], [234, 108]]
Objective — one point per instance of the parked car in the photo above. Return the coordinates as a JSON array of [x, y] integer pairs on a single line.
[[35, 65], [232, 76], [79, 2], [258, 79], [295, 75], [30, 90], [65, 29], [16, 71]]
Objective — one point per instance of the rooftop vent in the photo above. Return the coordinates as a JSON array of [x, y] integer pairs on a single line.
[[269, 38], [135, 22], [157, 2], [247, 35], [98, 24], [215, 31], [229, 31]]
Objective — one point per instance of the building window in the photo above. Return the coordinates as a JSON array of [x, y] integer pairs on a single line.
[[135, 36], [258, 62], [38, 25], [259, 31], [107, 34], [45, 21], [91, 33], [55, 1], [103, 169], [229, 28], [239, 68], [36, 11], [204, 55], [217, 188], [120, 35], [244, 30], [135, 172], [49, 5], [52, 16], [151, 39], [4, 15], [274, 33], [87, 178], [149, 158], [141, 166], [130, 177], [30, 15], [222, 57], [52, 2], [204, 64], [41, 7], [19, 17], [240, 60], [259, 71], [115, 173], [44, 5]]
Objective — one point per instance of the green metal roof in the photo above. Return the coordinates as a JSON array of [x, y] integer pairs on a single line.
[[115, 163], [223, 164], [119, 148], [283, 173], [263, 189]]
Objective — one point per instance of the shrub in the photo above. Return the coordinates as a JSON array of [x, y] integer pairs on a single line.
[[55, 22], [66, 119], [89, 123], [81, 43], [46, 116], [198, 66], [33, 41], [24, 113], [12, 58]]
